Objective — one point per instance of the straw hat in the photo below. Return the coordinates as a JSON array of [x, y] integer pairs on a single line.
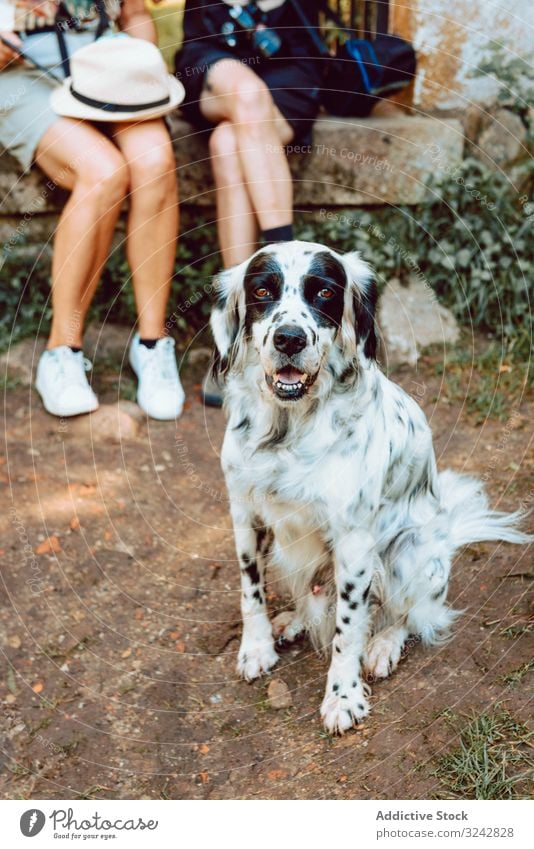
[[117, 78]]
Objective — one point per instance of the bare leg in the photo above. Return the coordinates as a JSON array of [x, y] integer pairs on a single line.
[[236, 95], [153, 218], [79, 158], [237, 226]]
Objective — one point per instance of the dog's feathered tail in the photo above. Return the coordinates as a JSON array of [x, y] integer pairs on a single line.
[[470, 517]]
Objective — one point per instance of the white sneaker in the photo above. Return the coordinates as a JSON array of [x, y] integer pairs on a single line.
[[62, 384], [159, 393]]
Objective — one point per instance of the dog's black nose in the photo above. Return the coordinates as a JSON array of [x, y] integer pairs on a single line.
[[289, 339]]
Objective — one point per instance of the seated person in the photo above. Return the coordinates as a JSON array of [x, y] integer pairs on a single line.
[[253, 81], [100, 164], [253, 102], [255, 92]]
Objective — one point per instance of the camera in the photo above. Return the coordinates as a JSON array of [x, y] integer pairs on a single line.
[[249, 20]]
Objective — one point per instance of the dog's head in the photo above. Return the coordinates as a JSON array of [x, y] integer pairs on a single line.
[[295, 309]]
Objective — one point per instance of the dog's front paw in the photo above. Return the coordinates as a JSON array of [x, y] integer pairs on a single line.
[[341, 710], [255, 658]]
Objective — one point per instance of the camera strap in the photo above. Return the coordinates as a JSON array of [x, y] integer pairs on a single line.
[[319, 44], [67, 21]]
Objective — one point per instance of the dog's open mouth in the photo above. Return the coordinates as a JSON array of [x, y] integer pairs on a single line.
[[289, 384]]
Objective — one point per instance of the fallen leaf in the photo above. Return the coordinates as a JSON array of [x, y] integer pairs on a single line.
[[10, 699], [126, 652], [174, 635], [38, 687], [50, 545], [275, 774], [74, 523], [204, 777], [203, 748], [342, 779], [180, 647], [15, 642]]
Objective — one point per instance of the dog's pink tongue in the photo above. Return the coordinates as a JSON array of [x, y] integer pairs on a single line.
[[290, 375]]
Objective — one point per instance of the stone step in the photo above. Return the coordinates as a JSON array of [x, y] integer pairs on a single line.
[[351, 162]]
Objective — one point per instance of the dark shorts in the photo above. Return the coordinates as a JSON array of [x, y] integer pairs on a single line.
[[294, 84]]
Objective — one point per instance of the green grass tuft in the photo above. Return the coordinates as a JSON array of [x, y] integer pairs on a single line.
[[492, 761], [515, 677]]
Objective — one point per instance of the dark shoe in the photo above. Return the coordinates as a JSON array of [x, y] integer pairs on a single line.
[[211, 393]]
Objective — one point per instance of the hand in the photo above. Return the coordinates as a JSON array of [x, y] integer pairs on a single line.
[[8, 56]]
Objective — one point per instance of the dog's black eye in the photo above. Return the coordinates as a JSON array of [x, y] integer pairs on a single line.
[[262, 293], [326, 293]]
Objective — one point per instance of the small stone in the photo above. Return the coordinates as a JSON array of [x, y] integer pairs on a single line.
[[110, 423], [504, 139], [410, 318], [279, 695], [198, 355]]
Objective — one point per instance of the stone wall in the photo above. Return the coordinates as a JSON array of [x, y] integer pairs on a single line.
[[451, 38], [351, 162]]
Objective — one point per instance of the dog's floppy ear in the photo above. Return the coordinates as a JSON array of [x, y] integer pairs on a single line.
[[228, 315], [358, 327]]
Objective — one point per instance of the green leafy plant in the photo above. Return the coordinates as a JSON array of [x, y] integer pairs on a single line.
[[470, 242], [513, 74]]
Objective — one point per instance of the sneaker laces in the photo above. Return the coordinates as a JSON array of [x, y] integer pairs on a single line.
[[160, 361], [70, 366]]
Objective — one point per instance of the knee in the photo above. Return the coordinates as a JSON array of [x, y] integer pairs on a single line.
[[105, 177], [224, 150], [223, 141], [253, 103], [154, 168]]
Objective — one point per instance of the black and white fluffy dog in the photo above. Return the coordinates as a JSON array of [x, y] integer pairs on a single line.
[[332, 476]]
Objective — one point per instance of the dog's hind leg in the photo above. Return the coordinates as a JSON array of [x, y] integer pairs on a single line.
[[412, 592], [257, 653], [384, 652], [287, 626], [304, 566], [313, 614]]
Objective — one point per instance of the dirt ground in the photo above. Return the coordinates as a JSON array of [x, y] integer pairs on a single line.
[[120, 621]]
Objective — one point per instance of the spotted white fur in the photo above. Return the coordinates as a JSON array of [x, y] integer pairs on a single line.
[[337, 489]]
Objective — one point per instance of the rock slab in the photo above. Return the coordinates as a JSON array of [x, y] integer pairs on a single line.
[[411, 318], [351, 161]]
